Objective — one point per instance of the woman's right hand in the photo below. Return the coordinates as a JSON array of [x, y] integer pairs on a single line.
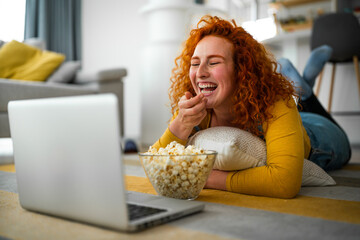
[[192, 110]]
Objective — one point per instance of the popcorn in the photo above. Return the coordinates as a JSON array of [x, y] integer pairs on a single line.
[[176, 171]]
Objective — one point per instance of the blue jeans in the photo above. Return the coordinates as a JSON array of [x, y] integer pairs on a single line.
[[304, 84], [330, 145]]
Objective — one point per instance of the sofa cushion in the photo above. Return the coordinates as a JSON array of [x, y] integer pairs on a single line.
[[23, 62], [66, 72]]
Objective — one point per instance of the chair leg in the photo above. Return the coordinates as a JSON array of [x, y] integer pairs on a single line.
[[357, 72], [319, 82], [331, 87]]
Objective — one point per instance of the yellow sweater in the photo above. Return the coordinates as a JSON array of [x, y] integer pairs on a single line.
[[287, 144]]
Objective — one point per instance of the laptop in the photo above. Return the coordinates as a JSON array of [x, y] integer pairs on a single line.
[[68, 160]]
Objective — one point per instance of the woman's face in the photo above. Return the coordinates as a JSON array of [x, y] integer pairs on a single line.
[[212, 71]]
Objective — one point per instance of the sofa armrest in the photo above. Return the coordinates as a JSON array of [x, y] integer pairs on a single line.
[[106, 81], [107, 75], [19, 89]]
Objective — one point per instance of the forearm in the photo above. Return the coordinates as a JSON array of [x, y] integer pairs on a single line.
[[217, 180], [269, 181], [179, 130]]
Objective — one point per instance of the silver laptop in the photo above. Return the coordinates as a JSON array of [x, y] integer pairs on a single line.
[[68, 163]]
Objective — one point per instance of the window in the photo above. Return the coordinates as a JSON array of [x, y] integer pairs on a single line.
[[261, 29], [12, 20]]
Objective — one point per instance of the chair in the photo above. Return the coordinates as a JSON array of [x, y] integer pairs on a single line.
[[341, 31]]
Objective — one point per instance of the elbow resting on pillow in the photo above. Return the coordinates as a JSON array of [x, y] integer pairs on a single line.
[[278, 183], [287, 184]]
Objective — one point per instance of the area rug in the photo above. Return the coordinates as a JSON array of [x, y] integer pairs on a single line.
[[318, 212]]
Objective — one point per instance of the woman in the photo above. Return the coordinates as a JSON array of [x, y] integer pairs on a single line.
[[224, 77]]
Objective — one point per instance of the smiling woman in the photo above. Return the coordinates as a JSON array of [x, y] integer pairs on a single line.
[[224, 77], [224, 54], [212, 71], [12, 20]]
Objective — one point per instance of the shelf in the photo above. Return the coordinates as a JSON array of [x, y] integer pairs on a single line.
[[292, 3], [296, 26]]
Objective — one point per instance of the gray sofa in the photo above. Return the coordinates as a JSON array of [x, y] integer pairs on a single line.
[[103, 81], [84, 84]]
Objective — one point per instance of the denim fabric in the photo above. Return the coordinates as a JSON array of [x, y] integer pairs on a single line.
[[330, 145], [288, 70], [304, 84], [318, 57]]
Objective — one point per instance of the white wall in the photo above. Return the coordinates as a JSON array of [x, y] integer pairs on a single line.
[[114, 34]]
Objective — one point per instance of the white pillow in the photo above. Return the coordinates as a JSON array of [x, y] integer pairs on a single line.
[[238, 149], [313, 175]]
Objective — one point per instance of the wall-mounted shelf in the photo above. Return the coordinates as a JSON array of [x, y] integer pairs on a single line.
[[292, 3]]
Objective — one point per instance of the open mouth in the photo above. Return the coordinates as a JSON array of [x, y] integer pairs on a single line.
[[207, 88]]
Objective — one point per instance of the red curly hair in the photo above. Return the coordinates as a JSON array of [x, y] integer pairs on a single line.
[[259, 86]]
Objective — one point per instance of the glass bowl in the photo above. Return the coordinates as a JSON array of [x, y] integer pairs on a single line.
[[178, 176]]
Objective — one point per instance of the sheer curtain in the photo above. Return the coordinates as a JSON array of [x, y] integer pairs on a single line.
[[58, 23]]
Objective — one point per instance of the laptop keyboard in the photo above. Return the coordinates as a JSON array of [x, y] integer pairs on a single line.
[[137, 211]]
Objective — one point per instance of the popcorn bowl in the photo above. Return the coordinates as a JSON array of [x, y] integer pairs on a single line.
[[178, 176]]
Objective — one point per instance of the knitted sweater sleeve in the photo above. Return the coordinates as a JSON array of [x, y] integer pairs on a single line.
[[167, 138], [281, 177]]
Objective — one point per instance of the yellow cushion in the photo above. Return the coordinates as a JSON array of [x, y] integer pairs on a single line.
[[23, 62]]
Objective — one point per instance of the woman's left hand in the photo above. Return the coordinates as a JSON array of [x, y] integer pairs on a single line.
[[217, 180]]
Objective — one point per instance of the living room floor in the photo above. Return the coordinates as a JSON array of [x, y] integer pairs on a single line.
[[331, 212], [355, 158]]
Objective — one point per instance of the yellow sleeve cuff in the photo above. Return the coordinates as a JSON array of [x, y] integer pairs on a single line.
[[228, 181], [172, 137], [167, 138]]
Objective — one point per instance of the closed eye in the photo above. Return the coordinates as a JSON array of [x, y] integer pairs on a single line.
[[214, 63]]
